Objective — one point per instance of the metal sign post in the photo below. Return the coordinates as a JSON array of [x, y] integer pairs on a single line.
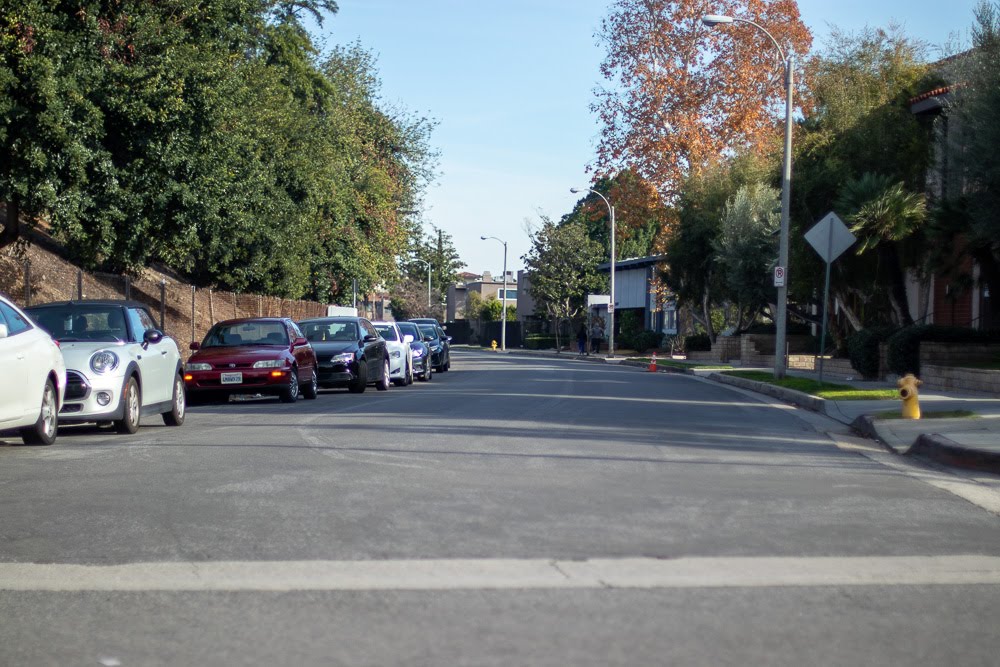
[[830, 238]]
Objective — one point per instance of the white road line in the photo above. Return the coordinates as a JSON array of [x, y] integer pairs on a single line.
[[504, 574]]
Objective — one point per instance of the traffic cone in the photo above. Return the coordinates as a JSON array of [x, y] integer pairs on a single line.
[[652, 364]]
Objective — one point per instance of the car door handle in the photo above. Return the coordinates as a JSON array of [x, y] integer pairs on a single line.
[[20, 356], [163, 352]]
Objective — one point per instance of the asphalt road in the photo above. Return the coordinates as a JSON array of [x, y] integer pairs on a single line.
[[510, 512]]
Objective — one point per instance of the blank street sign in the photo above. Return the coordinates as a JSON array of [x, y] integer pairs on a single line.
[[830, 237]]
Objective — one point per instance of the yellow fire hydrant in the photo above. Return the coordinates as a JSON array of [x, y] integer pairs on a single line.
[[908, 392], [494, 344]]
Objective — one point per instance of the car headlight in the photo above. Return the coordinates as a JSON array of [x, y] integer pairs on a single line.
[[269, 363], [395, 354], [417, 352], [103, 361], [343, 358], [197, 367]]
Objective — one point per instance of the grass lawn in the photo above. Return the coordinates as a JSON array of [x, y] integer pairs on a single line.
[[828, 390], [944, 414], [981, 365]]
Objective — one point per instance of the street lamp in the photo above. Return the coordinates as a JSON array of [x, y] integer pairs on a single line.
[[428, 283], [780, 322], [503, 302], [611, 301]]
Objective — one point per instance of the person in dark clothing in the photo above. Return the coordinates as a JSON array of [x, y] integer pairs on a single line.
[[581, 339]]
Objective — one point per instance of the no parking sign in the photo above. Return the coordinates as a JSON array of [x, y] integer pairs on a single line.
[[779, 276]]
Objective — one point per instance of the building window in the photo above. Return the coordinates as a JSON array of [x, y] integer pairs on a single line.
[[511, 295]]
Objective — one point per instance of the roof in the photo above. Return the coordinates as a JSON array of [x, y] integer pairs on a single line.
[[633, 263]]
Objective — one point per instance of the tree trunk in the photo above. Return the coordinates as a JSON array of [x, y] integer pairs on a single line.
[[11, 227], [852, 318], [706, 309], [897, 287]]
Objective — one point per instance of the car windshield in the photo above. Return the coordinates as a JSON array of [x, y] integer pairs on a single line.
[[81, 322], [409, 329], [429, 330], [247, 333], [319, 332], [387, 331]]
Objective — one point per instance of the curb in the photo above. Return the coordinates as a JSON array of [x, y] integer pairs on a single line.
[[814, 403], [939, 448]]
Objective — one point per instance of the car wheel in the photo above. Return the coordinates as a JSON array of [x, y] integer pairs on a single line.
[[311, 390], [384, 383], [45, 429], [428, 371], [290, 393], [447, 364], [360, 382], [131, 401], [178, 405], [409, 372]]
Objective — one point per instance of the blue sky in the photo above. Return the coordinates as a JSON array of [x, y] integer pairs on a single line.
[[511, 83]]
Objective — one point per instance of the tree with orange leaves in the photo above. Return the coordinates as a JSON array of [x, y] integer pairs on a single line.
[[682, 94]]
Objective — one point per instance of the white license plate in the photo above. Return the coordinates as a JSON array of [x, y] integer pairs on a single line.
[[232, 378]]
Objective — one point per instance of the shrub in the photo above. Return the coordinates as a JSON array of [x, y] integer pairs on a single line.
[[698, 343], [645, 340], [540, 341], [904, 345], [862, 349]]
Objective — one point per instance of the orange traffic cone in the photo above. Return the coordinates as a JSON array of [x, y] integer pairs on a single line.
[[652, 364]]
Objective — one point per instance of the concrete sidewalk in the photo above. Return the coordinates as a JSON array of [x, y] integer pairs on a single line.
[[969, 442]]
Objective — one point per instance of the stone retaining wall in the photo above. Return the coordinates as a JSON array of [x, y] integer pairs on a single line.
[[963, 379]]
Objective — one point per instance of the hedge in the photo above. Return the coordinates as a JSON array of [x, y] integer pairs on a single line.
[[645, 340], [698, 343], [904, 345], [863, 349], [540, 341]]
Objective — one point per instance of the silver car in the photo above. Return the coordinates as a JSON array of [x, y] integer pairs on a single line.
[[119, 366], [400, 362]]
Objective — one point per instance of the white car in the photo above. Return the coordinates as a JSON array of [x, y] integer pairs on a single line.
[[400, 361], [33, 380], [119, 366]]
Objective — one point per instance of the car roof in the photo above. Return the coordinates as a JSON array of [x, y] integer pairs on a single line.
[[334, 318], [92, 302], [384, 322], [240, 320]]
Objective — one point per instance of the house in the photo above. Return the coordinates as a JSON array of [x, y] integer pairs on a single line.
[[486, 285], [635, 292]]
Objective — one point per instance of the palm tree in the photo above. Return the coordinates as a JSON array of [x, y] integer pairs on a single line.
[[883, 214]]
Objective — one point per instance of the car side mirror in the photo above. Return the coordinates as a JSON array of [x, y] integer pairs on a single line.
[[371, 339], [3, 331], [299, 342], [408, 338], [428, 339], [449, 338], [152, 336], [194, 346]]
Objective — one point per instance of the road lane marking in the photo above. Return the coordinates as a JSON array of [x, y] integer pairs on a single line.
[[504, 574]]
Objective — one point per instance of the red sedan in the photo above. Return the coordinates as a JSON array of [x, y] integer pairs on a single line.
[[262, 355]]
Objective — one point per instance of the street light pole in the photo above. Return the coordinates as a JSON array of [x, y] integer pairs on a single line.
[[611, 302], [781, 317], [503, 301], [428, 283]]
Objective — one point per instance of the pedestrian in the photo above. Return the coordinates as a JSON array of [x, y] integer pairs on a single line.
[[581, 339], [596, 335]]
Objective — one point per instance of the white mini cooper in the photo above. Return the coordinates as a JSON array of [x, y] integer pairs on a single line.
[[119, 366]]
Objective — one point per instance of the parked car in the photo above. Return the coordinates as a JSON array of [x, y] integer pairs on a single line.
[[420, 352], [257, 355], [439, 345], [119, 366], [351, 352], [400, 363], [33, 381]]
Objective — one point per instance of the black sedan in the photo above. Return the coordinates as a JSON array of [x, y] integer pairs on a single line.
[[350, 353], [439, 343]]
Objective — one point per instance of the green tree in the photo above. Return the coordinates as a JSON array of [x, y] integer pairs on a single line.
[[973, 198], [746, 250], [490, 310], [437, 248], [884, 215], [563, 264]]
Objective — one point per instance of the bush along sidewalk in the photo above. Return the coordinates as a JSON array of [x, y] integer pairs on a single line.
[[825, 390]]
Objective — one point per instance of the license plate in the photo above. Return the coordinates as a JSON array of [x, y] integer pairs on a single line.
[[232, 378]]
